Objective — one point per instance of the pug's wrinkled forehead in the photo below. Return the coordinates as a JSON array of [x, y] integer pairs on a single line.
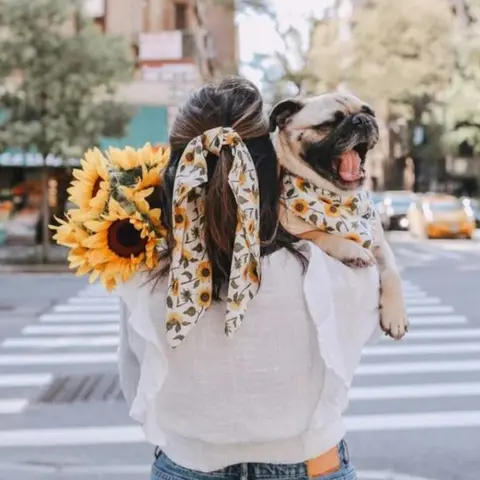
[[316, 112]]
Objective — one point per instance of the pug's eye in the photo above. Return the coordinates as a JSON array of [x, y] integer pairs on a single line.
[[325, 125], [337, 119]]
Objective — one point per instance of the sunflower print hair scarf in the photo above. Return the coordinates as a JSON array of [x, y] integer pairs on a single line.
[[351, 217], [190, 278]]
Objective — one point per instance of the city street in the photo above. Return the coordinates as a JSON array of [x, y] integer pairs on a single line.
[[415, 405]]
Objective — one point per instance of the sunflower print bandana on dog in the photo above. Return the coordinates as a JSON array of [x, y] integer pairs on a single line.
[[190, 278], [351, 217]]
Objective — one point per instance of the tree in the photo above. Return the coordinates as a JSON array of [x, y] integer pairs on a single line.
[[286, 70], [463, 95], [399, 56], [58, 78]]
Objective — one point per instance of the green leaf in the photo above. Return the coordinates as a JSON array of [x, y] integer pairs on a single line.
[[190, 312], [169, 301], [198, 248], [238, 247]]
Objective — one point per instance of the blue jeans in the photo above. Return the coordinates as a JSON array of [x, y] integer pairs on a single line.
[[164, 469]]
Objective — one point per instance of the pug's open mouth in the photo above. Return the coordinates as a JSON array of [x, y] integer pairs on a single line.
[[348, 166]]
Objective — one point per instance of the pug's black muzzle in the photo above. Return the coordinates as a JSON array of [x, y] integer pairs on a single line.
[[357, 132]]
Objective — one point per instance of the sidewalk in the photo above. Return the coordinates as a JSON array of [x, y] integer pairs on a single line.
[[25, 259]]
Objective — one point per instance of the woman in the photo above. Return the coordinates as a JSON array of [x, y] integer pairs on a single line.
[[237, 360]]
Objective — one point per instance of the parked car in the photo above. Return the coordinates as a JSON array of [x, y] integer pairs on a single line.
[[393, 209], [474, 205], [441, 216]]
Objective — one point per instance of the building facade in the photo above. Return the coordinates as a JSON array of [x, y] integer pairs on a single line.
[[171, 45]]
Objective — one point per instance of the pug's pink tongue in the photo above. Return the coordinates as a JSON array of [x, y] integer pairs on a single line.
[[349, 169]]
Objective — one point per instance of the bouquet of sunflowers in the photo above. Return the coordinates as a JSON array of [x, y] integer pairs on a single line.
[[116, 228]]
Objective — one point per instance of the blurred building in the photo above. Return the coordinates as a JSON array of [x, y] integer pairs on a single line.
[[177, 43]]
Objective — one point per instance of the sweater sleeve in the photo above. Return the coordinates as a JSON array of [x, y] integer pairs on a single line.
[[128, 364]]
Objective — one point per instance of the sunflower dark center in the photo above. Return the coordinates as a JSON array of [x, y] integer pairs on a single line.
[[178, 218], [299, 207], [205, 297], [205, 272], [125, 240]]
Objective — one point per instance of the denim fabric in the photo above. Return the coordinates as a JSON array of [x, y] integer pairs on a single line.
[[164, 469]]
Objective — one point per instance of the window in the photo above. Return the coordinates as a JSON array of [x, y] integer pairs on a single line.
[[180, 16]]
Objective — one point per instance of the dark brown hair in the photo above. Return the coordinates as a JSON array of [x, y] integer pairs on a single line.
[[235, 103]]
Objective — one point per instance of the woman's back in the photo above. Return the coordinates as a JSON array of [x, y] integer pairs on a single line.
[[269, 394]]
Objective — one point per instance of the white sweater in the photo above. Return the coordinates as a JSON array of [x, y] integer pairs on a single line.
[[274, 393]]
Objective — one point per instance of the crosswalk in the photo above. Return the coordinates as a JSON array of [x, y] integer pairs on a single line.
[[463, 255], [423, 382]]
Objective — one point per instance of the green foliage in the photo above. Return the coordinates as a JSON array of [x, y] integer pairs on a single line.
[[59, 74], [401, 50], [463, 95]]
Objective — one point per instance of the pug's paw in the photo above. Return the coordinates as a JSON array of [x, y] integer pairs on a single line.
[[355, 256], [393, 314]]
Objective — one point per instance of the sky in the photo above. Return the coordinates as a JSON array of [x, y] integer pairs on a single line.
[[257, 34]]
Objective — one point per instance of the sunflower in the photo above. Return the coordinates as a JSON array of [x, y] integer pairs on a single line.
[[116, 243], [355, 237], [332, 211], [174, 320], [204, 270], [181, 218], [125, 159], [175, 287], [242, 178], [250, 227], [300, 206], [154, 156], [351, 204], [204, 298], [186, 255], [250, 270], [71, 234], [325, 199], [301, 184], [189, 158], [90, 189]]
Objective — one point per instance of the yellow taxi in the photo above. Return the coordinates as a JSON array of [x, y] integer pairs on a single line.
[[440, 216]]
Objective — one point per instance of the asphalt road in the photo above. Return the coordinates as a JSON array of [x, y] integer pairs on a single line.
[[415, 405]]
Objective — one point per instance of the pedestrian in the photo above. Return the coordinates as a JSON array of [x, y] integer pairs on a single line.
[[237, 356]]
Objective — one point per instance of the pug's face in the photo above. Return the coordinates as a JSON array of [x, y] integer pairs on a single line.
[[331, 134]]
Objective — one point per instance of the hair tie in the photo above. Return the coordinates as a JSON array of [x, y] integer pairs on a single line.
[[190, 278]]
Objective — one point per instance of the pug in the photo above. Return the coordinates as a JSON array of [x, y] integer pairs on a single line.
[[325, 140]]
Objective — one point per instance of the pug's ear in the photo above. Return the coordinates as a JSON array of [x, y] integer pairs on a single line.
[[282, 111]]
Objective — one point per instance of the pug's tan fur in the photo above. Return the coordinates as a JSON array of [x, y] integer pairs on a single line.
[[290, 140]]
